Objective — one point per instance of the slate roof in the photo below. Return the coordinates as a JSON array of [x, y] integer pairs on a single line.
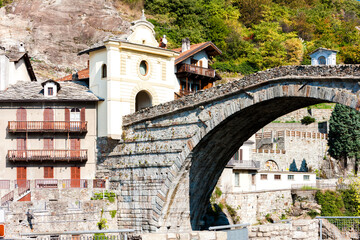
[[33, 92]]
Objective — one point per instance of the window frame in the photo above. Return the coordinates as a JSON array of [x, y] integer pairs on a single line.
[[263, 177]]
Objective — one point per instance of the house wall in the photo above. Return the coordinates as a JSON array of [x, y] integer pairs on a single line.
[[19, 71], [200, 56], [35, 141], [4, 71]]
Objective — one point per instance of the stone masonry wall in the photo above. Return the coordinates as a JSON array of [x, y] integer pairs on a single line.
[[320, 115], [297, 229], [59, 210], [294, 145], [253, 206]]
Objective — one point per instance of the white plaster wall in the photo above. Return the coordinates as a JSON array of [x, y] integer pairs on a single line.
[[4, 72], [99, 86], [202, 56], [329, 56], [21, 73], [284, 183]]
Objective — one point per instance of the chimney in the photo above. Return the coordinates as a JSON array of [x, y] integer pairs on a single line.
[[185, 45], [21, 47]]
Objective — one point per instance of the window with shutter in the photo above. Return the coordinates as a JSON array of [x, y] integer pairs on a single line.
[[48, 118], [21, 118], [48, 172]]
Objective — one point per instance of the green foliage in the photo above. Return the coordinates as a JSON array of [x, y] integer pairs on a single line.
[[106, 195], [331, 203], [5, 2], [344, 133], [293, 167], [217, 192], [235, 218], [307, 120], [259, 34], [308, 188], [268, 218], [312, 213], [102, 224], [303, 167], [113, 213]]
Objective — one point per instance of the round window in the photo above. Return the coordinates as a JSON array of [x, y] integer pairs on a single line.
[[143, 68]]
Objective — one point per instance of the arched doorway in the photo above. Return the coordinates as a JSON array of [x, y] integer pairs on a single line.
[[142, 100], [271, 165]]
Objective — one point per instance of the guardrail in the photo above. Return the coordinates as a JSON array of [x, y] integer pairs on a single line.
[[6, 198], [244, 164], [234, 226], [188, 68], [343, 223], [46, 183]]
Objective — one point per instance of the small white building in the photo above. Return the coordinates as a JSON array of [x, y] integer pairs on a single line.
[[15, 66], [323, 56]]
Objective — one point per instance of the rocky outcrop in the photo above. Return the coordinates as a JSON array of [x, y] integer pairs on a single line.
[[54, 31]]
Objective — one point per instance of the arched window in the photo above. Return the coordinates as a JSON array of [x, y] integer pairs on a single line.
[[143, 68], [142, 100], [103, 71], [322, 60]]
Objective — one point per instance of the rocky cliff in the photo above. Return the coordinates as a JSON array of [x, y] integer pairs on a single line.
[[54, 31]]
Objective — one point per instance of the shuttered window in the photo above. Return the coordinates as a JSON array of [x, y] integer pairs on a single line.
[[48, 172]]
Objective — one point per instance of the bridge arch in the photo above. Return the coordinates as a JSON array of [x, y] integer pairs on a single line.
[[214, 123]]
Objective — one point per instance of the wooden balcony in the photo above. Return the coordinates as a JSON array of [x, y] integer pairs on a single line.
[[47, 126], [192, 69], [47, 155]]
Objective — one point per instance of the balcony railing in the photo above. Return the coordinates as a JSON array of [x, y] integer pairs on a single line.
[[23, 186], [7, 198], [47, 155], [46, 183], [47, 126], [188, 68], [4, 184], [244, 164], [75, 183]]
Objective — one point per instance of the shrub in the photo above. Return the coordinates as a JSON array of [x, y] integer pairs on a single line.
[[293, 167], [307, 120], [331, 203]]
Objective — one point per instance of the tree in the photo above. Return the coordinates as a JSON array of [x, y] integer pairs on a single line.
[[344, 134], [293, 167], [304, 167]]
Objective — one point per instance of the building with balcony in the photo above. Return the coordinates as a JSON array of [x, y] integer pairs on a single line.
[[48, 135], [192, 67]]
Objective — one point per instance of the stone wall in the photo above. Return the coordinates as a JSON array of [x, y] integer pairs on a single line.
[[298, 229], [53, 210], [294, 145], [320, 115], [253, 206]]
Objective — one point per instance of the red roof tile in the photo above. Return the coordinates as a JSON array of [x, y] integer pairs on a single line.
[[195, 48], [82, 74]]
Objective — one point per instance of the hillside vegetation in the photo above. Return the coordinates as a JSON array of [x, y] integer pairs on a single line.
[[260, 34]]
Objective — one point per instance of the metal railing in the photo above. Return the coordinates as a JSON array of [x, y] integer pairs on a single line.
[[343, 223], [7, 198], [188, 68], [244, 164], [46, 183], [47, 126], [47, 155], [74, 183], [4, 184]]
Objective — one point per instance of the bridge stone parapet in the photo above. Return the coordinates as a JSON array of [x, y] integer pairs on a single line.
[[171, 155], [304, 72]]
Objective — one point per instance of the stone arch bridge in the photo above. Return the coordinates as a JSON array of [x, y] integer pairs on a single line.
[[171, 156]]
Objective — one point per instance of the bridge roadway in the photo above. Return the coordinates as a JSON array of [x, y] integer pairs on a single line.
[[171, 155]]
